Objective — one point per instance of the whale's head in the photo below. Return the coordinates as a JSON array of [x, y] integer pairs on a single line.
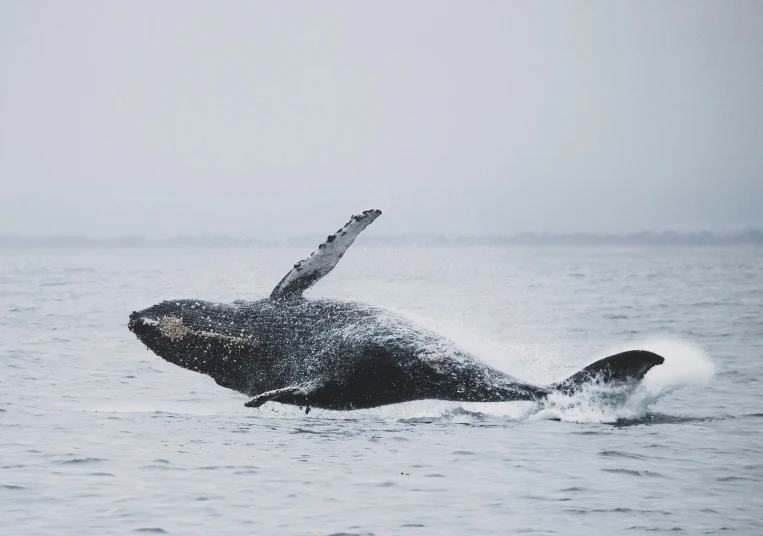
[[206, 337]]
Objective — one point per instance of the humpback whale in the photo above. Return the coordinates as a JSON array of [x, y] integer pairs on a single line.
[[340, 355]]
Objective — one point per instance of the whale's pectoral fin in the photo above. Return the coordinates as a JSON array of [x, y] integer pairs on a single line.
[[626, 367], [310, 270], [257, 401]]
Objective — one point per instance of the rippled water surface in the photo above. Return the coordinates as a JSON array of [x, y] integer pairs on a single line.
[[98, 436]]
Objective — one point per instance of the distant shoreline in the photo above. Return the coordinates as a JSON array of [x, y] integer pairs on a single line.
[[668, 238]]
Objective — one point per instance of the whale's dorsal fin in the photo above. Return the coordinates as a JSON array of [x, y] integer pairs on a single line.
[[306, 272]]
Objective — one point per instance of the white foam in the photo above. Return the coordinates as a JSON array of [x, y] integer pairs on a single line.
[[686, 365]]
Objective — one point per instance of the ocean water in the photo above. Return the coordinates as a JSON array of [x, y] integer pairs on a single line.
[[99, 436]]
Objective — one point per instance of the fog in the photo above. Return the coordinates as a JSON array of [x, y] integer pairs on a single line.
[[275, 119]]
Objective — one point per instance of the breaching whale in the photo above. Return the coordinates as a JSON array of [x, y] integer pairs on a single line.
[[339, 355]]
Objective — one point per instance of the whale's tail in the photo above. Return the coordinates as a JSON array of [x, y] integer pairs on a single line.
[[626, 367]]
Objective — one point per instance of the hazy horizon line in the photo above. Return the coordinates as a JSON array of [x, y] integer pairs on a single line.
[[643, 238]]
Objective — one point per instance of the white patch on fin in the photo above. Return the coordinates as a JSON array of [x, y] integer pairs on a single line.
[[257, 401], [307, 272]]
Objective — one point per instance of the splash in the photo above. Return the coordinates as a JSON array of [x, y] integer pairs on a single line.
[[686, 365]]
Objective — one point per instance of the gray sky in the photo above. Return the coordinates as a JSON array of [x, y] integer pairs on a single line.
[[280, 118]]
